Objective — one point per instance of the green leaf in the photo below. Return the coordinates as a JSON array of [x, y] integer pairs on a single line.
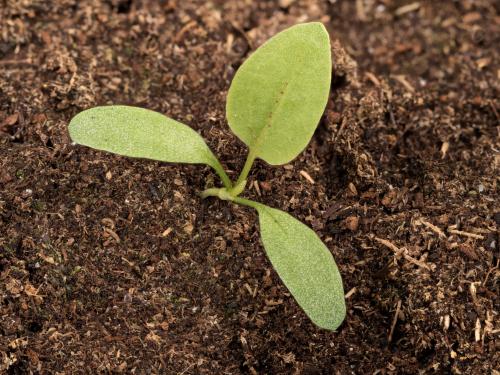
[[305, 265], [141, 133], [278, 95]]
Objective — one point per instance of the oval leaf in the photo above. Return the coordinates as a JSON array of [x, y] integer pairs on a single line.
[[140, 133], [305, 265], [278, 95]]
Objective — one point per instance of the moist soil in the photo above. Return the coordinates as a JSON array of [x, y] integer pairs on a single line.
[[114, 265]]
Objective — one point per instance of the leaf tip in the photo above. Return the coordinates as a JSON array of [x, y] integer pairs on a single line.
[[335, 319], [316, 26]]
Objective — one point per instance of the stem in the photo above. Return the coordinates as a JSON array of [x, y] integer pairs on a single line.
[[224, 195], [213, 192], [246, 168], [220, 193], [246, 202], [222, 174]]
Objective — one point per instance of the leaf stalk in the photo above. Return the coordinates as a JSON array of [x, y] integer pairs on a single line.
[[252, 155], [222, 174]]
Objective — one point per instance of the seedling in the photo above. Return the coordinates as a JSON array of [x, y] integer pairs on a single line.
[[274, 104]]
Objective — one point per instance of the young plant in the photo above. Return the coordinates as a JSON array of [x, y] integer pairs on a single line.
[[274, 104]]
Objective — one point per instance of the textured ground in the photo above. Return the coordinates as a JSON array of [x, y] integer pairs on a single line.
[[115, 265]]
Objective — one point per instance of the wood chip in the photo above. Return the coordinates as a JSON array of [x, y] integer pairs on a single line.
[[30, 290], [253, 292], [18, 343], [352, 189], [257, 188], [350, 293], [266, 186], [477, 330], [352, 223], [153, 337], [444, 149], [286, 3], [446, 323], [407, 8], [131, 264], [307, 176], [473, 293], [471, 17], [482, 63], [402, 79], [166, 232], [360, 10], [10, 120], [108, 222], [372, 78], [188, 228], [47, 259], [113, 234], [229, 43], [178, 37]]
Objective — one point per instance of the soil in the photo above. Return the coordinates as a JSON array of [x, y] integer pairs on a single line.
[[114, 265]]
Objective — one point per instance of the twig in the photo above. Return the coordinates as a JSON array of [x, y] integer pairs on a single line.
[[186, 369], [243, 34], [402, 251], [416, 261], [433, 228], [492, 105], [489, 272], [178, 37], [401, 79], [390, 245], [394, 321], [16, 62], [466, 234], [373, 78], [257, 188]]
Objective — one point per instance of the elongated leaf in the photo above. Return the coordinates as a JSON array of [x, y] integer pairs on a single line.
[[305, 265], [278, 95], [141, 133]]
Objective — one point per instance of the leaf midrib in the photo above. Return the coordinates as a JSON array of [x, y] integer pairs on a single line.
[[256, 143], [281, 227]]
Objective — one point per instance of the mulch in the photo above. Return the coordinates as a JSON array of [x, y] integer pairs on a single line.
[[114, 265]]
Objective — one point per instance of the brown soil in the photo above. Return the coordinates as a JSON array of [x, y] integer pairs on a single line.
[[115, 265]]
